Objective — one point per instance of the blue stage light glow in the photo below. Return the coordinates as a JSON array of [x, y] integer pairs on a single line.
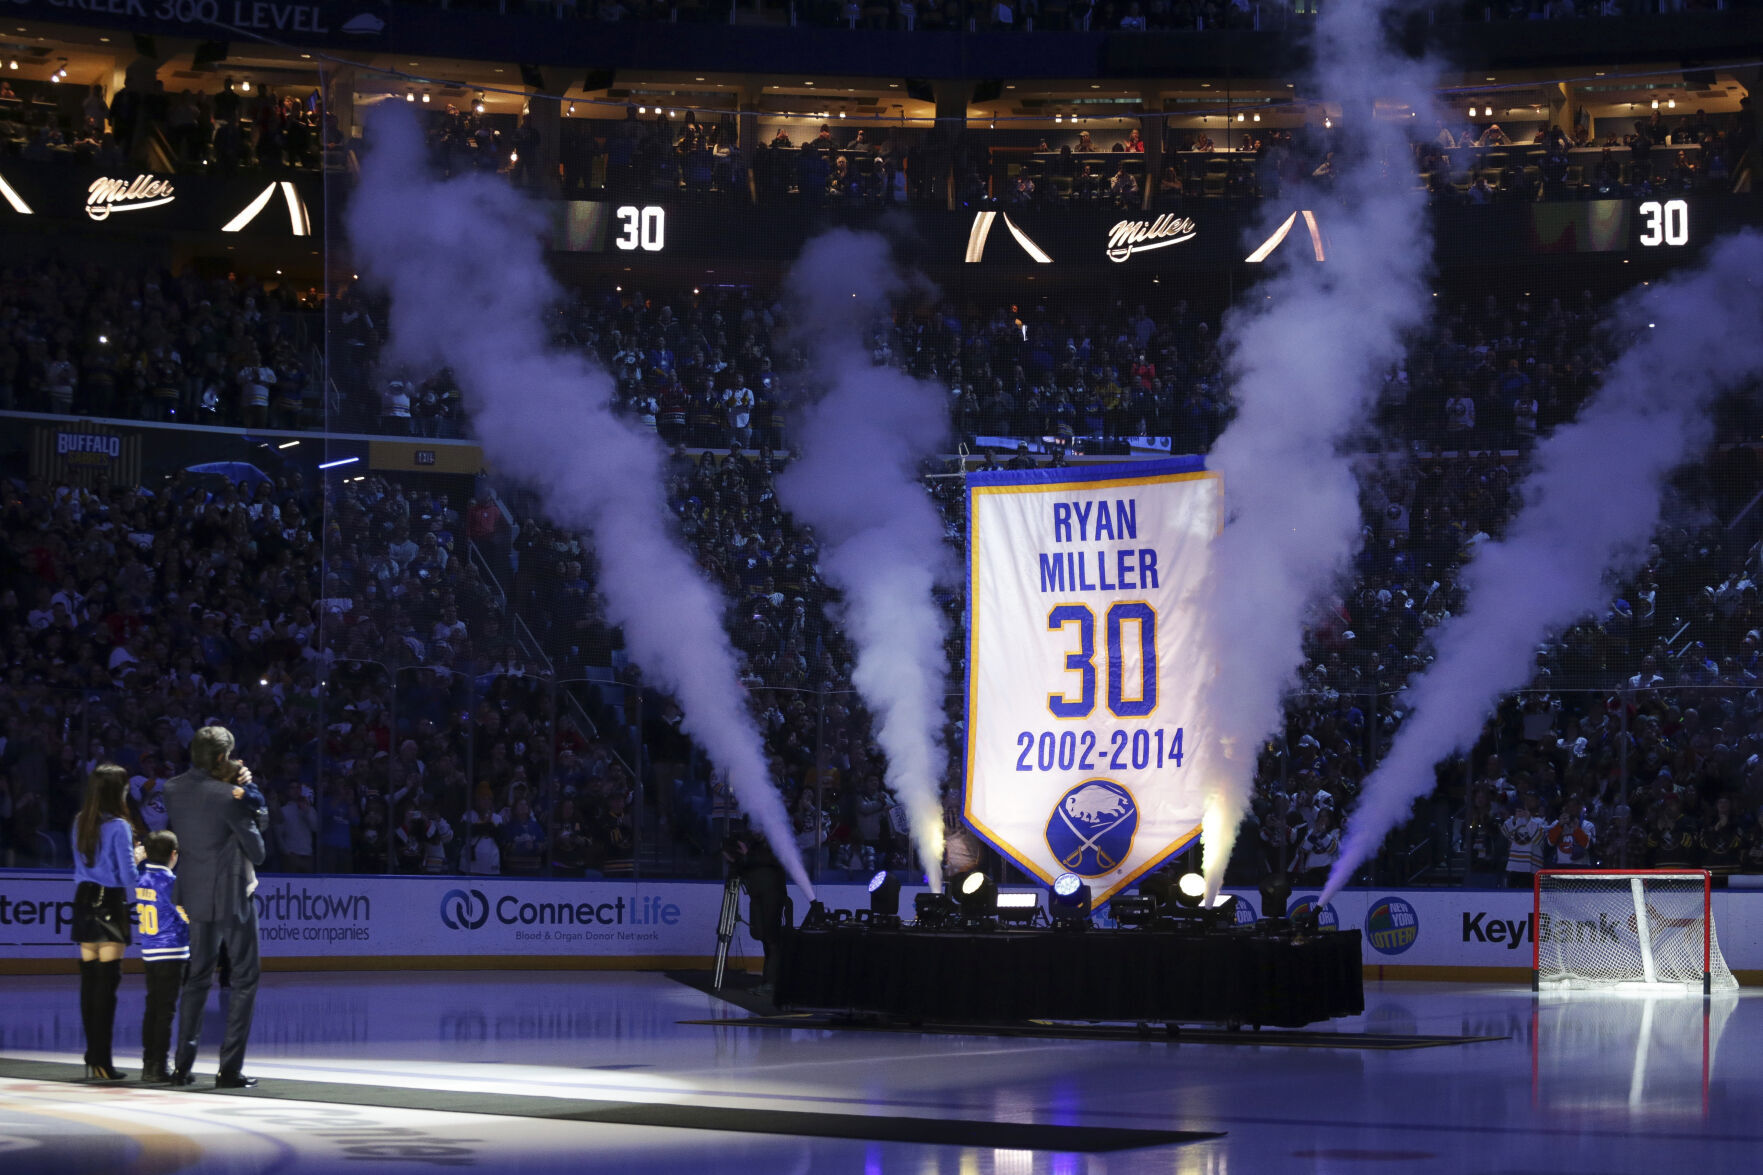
[[879, 880], [1065, 885]]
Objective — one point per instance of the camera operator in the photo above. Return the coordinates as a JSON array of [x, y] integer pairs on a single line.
[[750, 858]]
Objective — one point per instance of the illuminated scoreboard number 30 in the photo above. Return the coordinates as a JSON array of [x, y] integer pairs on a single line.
[[641, 227], [1665, 223]]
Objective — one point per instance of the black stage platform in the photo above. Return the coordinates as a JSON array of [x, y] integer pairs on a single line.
[[978, 977]]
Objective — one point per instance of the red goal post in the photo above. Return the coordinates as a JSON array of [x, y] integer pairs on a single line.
[[1655, 931]]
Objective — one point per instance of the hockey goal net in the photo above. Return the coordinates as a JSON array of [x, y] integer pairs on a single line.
[[1642, 929]]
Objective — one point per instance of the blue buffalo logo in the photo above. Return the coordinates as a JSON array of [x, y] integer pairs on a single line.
[[1092, 826], [1391, 926], [1301, 906], [464, 909]]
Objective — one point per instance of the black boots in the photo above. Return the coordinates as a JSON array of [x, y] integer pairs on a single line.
[[98, 984]]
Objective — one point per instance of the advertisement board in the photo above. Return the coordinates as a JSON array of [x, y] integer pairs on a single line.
[[445, 921], [254, 205], [503, 922]]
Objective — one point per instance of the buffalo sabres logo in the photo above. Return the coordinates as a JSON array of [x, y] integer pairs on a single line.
[[1092, 827]]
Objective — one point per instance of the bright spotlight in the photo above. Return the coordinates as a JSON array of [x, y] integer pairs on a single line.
[[884, 897], [978, 896], [1192, 888], [1069, 905], [1018, 909]]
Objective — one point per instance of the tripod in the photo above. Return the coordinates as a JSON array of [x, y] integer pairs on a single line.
[[725, 927], [778, 904]]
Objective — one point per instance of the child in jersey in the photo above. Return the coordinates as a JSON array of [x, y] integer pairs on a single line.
[[165, 948]]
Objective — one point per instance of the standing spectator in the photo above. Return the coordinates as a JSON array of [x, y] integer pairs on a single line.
[[339, 823], [255, 380], [524, 837], [1320, 849], [482, 854], [1281, 834], [395, 407], [1570, 836], [1721, 840], [297, 830], [1672, 837], [1524, 831]]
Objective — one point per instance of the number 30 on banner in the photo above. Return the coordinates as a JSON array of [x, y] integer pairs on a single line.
[[1134, 613]]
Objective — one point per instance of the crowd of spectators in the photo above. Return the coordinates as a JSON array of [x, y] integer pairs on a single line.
[[432, 683], [325, 632], [1475, 161], [145, 126], [75, 339]]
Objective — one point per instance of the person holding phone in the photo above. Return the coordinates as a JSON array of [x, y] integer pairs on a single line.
[[220, 844]]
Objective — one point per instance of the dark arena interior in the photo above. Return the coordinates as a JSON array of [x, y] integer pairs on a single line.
[[799, 586]]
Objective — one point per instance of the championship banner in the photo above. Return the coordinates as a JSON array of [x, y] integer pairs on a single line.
[[1079, 661]]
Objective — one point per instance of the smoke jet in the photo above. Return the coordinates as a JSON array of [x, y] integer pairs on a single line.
[[464, 267], [1306, 364], [1590, 503], [856, 483]]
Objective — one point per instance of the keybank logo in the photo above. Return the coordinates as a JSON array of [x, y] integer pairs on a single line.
[[464, 909]]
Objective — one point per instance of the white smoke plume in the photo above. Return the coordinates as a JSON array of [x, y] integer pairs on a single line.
[[1307, 362], [856, 483], [1590, 503], [463, 264]]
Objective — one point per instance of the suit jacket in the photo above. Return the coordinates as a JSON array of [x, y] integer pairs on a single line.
[[218, 841]]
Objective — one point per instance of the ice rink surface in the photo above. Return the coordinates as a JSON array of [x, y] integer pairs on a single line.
[[1611, 1085]]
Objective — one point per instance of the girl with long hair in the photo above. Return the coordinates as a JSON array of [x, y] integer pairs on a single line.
[[104, 875]]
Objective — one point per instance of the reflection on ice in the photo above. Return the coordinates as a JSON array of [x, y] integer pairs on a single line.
[[1635, 1053]]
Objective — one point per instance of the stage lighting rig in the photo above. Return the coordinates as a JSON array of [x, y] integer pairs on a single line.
[[884, 899], [978, 896], [935, 910], [1156, 886], [1018, 909], [1134, 909], [1068, 902], [816, 917], [1190, 891]]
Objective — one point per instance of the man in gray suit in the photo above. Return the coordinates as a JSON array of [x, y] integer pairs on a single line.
[[219, 843]]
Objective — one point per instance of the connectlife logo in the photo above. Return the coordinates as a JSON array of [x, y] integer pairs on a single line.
[[464, 909]]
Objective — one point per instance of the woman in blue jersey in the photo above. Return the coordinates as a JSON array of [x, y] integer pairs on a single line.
[[104, 875]]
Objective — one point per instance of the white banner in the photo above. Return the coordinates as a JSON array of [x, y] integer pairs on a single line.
[[1079, 675]]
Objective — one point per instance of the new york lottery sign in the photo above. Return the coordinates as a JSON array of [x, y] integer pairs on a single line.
[[1080, 690]]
